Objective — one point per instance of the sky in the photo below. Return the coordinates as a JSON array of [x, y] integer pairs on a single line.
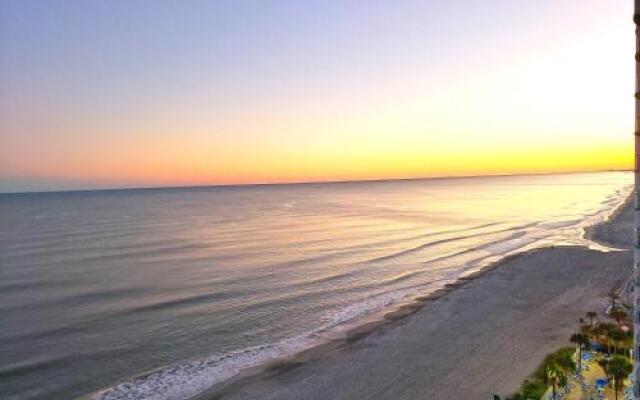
[[167, 93]]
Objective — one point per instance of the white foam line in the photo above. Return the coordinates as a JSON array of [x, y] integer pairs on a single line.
[[185, 380]]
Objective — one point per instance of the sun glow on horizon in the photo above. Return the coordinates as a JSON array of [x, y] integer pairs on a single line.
[[321, 95]]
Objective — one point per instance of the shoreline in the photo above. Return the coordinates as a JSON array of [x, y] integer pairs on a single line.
[[341, 336], [275, 370], [616, 230], [358, 332]]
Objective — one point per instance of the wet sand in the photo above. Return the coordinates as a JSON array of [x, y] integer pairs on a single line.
[[483, 336]]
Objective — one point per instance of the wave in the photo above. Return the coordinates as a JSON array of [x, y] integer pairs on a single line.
[[514, 242], [188, 379], [449, 240], [184, 380], [559, 224]]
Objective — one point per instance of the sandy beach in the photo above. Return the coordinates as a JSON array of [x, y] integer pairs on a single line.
[[483, 337]]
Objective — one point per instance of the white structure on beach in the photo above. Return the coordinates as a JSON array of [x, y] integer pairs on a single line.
[[636, 239]]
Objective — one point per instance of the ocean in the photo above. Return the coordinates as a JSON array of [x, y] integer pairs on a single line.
[[162, 293]]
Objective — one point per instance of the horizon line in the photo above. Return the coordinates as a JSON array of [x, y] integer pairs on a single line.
[[232, 185]]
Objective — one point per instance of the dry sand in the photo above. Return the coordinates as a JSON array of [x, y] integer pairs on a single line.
[[481, 338]]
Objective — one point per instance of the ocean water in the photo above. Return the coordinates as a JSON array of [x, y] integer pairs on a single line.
[[161, 293]]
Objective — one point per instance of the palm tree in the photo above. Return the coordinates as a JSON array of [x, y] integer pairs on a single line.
[[554, 376], [596, 332], [617, 336], [582, 341], [564, 359], [606, 329], [556, 368], [618, 368], [618, 314]]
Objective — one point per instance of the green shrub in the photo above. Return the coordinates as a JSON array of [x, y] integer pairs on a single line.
[[535, 388]]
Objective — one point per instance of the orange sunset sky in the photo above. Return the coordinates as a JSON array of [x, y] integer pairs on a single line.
[[244, 92]]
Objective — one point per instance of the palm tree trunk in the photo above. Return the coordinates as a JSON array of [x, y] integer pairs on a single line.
[[580, 358], [636, 239]]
